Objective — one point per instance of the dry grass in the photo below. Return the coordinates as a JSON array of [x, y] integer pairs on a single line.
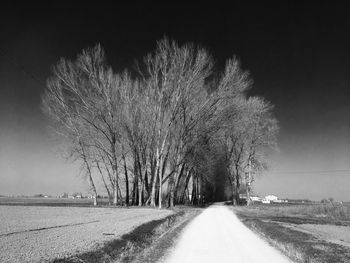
[[296, 230], [329, 213], [146, 243], [330, 210], [290, 243]]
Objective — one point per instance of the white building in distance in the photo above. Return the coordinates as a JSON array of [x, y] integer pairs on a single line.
[[255, 199], [271, 198]]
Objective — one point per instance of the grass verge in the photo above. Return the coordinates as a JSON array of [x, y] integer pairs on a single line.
[[146, 243], [297, 245], [166, 238]]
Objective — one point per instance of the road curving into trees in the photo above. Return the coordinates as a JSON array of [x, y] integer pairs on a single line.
[[217, 235]]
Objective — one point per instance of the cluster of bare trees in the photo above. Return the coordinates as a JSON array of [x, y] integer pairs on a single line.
[[154, 136]]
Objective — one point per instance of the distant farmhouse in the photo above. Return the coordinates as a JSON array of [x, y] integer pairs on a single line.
[[271, 198], [72, 196], [266, 200], [255, 199]]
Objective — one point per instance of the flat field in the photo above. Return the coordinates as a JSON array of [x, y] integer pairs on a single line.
[[306, 232], [41, 234], [51, 201]]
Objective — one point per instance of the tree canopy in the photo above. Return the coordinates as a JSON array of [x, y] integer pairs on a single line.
[[158, 134]]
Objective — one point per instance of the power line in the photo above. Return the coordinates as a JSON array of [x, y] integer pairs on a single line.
[[312, 171]]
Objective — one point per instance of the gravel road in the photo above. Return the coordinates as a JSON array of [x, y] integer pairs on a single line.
[[40, 234], [217, 235]]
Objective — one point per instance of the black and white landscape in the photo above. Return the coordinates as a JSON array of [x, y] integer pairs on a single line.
[[175, 133]]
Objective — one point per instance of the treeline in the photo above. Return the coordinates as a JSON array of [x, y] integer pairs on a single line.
[[153, 136]]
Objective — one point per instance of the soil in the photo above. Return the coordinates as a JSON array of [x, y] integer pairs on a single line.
[[41, 234]]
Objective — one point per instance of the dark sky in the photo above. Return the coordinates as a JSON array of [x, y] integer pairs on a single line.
[[298, 56]]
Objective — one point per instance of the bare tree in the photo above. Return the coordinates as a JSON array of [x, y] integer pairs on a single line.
[[170, 73], [167, 126], [89, 91], [248, 141], [58, 103]]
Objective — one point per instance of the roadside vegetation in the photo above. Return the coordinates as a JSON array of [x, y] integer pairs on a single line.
[[332, 212], [146, 243], [317, 232]]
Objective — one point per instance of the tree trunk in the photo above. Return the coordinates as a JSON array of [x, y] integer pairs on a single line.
[[155, 177], [140, 177], [115, 171], [174, 185], [89, 174], [234, 196], [120, 197], [199, 197], [152, 176], [135, 185], [157, 195], [248, 182], [160, 186], [171, 187], [115, 188], [163, 163], [110, 176], [248, 195], [178, 180], [237, 185], [135, 191], [140, 192], [93, 187], [188, 176], [234, 200], [146, 181], [104, 182], [126, 182], [194, 191]]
